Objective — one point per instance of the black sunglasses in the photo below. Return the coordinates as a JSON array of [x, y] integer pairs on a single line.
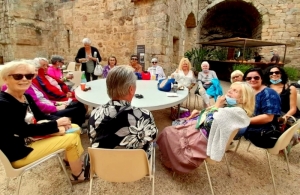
[[250, 78], [18, 77], [235, 77], [154, 62], [134, 59], [276, 72]]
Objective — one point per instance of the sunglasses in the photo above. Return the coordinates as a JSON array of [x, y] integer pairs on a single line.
[[250, 78], [134, 59], [276, 72], [18, 77], [235, 77], [154, 62]]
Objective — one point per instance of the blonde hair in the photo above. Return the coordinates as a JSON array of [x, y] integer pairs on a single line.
[[182, 61], [14, 65], [247, 97], [236, 73]]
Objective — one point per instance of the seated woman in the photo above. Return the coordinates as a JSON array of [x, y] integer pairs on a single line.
[[18, 117], [54, 71], [205, 81], [55, 89], [117, 124], [206, 133], [267, 109], [134, 64], [183, 75], [112, 62], [236, 75]]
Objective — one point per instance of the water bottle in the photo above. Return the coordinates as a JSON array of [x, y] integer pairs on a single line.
[[83, 79], [153, 73], [175, 87]]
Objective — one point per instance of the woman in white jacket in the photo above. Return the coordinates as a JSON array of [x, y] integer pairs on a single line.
[[183, 75]]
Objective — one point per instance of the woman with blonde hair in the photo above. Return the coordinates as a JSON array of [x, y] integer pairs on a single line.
[[236, 75], [184, 75], [206, 133]]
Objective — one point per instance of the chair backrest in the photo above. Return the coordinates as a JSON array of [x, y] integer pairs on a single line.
[[298, 101], [9, 170], [71, 66], [76, 79], [284, 140], [119, 165]]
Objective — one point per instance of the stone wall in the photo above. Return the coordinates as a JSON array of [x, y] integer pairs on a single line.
[[44, 27]]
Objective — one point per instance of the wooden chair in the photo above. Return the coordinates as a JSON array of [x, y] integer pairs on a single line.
[[121, 165], [281, 144], [11, 172]]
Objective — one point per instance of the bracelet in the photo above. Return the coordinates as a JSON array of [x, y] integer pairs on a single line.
[[64, 78]]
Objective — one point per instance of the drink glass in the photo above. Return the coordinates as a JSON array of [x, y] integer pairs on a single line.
[[82, 86]]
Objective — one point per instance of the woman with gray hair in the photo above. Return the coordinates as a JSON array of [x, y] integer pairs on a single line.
[[88, 57], [204, 82], [117, 124], [55, 71]]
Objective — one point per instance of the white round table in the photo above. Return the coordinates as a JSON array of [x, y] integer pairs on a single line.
[[153, 98]]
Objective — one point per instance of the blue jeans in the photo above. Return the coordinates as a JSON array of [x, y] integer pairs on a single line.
[[240, 133]]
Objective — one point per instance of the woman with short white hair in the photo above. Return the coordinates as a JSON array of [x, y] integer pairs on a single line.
[[88, 57], [204, 82], [117, 124], [156, 69]]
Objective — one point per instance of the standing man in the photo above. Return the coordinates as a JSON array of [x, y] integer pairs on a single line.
[[275, 59], [157, 69]]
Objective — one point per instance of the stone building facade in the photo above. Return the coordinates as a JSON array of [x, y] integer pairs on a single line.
[[167, 28]]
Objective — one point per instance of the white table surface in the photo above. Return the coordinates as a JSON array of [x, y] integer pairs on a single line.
[[153, 98]]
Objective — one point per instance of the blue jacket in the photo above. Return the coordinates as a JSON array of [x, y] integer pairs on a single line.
[[215, 89]]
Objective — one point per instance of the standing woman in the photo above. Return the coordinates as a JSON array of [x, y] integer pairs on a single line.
[[88, 57], [112, 62], [184, 75], [276, 78]]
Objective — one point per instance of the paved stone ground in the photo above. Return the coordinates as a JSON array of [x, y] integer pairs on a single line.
[[250, 175]]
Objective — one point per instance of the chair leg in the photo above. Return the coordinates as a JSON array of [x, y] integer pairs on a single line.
[[236, 148], [287, 160], [91, 185], [273, 180], [19, 184], [227, 164], [153, 185], [211, 188], [65, 171], [248, 147]]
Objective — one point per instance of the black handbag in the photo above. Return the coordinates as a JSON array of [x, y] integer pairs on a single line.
[[263, 137]]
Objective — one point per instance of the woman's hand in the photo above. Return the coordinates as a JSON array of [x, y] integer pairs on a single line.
[[61, 131], [69, 94], [63, 121], [61, 107], [220, 102], [83, 60], [69, 76], [193, 114], [68, 127]]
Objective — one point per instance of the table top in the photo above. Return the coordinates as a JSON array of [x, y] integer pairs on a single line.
[[153, 98]]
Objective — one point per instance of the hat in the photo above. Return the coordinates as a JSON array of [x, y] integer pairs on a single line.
[[154, 60]]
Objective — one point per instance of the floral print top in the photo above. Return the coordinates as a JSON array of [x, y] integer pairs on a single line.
[[117, 124]]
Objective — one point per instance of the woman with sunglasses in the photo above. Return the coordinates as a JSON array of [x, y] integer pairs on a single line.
[[159, 71], [236, 76], [18, 117], [267, 106], [277, 79], [134, 64], [112, 62]]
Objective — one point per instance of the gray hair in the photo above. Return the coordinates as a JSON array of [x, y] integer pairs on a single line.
[[236, 73], [154, 60], [118, 81], [86, 41], [56, 58], [14, 65], [205, 63], [37, 63]]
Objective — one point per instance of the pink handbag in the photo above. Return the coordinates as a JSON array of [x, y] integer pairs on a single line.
[[183, 148]]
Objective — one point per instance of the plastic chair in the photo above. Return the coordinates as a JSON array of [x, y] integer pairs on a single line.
[[298, 100], [121, 165], [71, 67], [76, 78], [12, 172], [210, 161], [281, 144]]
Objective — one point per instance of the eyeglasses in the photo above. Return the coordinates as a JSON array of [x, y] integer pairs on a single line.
[[235, 77], [18, 77], [134, 59], [61, 62], [276, 72], [250, 78], [154, 62]]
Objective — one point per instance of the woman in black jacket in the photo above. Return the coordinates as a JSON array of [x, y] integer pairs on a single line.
[[18, 118], [88, 57]]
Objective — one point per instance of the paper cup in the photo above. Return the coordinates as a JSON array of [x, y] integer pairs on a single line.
[[82, 85]]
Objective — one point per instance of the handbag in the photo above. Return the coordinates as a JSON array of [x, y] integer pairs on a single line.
[[98, 69], [165, 84]]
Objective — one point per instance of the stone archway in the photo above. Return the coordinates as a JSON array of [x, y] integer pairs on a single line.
[[233, 18]]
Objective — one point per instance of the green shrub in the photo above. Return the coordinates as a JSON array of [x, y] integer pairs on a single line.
[[197, 56], [293, 73], [219, 54], [242, 67]]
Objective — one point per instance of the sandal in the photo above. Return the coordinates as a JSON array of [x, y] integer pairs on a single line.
[[76, 179]]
